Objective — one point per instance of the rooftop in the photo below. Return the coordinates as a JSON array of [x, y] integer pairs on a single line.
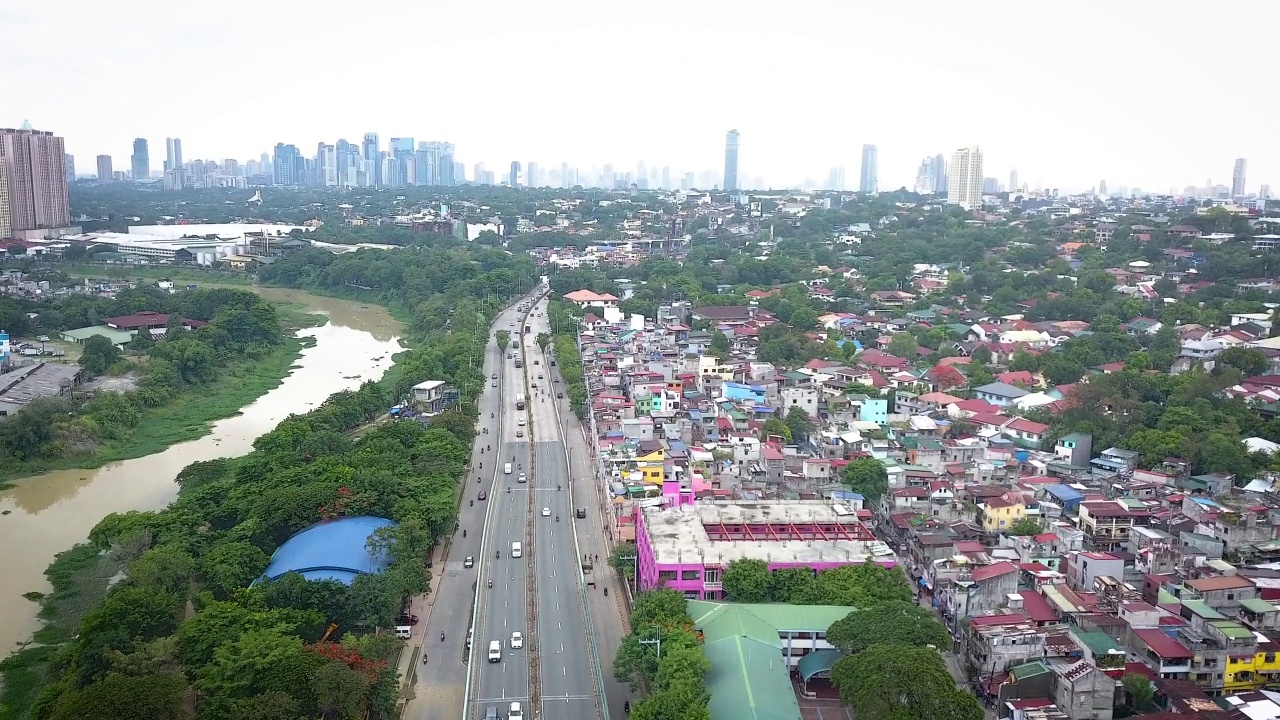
[[786, 532]]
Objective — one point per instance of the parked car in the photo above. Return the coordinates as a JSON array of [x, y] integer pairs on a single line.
[[482, 496], [407, 619]]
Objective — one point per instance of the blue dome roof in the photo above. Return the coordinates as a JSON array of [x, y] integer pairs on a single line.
[[330, 550]]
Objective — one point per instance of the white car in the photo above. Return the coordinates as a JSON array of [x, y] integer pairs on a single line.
[[522, 478], [469, 562], [517, 640], [515, 713], [546, 512], [493, 384]]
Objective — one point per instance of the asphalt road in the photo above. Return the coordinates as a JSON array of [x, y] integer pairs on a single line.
[[440, 685], [567, 674]]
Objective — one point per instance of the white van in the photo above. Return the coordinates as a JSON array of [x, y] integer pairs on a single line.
[[520, 422], [404, 632], [507, 468], [495, 651], [515, 549]]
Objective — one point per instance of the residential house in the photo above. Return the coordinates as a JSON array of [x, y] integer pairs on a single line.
[[999, 394]]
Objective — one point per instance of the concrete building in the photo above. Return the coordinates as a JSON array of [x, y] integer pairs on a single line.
[[964, 180], [32, 382], [731, 160], [105, 173], [869, 180], [686, 546], [32, 162], [140, 161], [433, 396]]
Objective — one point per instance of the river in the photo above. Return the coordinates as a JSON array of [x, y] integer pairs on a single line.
[[49, 513]]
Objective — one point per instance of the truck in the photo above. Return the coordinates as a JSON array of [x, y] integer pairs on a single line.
[[519, 401]]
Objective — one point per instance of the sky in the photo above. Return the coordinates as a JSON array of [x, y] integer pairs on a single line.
[[1139, 93]]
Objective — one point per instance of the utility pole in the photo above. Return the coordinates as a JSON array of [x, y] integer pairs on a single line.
[[657, 640]]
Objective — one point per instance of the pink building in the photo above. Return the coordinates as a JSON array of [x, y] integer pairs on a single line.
[[685, 546]]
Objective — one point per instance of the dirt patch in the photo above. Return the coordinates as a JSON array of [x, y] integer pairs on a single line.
[[122, 383]]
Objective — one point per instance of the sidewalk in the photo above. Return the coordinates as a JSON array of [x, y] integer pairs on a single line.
[[608, 614]]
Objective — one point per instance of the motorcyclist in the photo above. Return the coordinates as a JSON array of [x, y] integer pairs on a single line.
[[441, 637], [464, 533], [497, 553], [473, 503], [557, 518]]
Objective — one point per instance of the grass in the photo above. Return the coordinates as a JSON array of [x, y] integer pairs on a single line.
[[179, 275], [189, 415], [80, 578]]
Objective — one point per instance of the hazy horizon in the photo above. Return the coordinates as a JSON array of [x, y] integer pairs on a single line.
[[1068, 99]]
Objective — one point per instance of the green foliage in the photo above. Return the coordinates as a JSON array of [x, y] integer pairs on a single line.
[[623, 559], [888, 623], [746, 581], [676, 678], [867, 477], [98, 355], [1024, 526], [859, 586], [150, 697], [898, 681], [775, 426], [1138, 691]]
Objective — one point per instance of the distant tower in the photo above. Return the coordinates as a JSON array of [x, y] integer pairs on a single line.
[[104, 169], [869, 181], [1237, 178], [140, 161], [1102, 188], [514, 178], [1013, 181], [964, 180], [731, 160], [939, 174]]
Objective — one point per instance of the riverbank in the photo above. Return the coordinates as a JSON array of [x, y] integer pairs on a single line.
[[189, 415]]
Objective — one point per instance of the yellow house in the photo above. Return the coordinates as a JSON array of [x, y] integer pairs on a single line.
[[652, 466], [999, 513], [1256, 672]]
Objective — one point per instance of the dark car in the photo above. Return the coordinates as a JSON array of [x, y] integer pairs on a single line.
[[483, 495], [407, 620], [580, 512], [559, 394]]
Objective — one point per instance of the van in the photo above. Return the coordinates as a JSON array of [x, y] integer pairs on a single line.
[[507, 468], [515, 549], [495, 651], [404, 632], [520, 422], [491, 713]]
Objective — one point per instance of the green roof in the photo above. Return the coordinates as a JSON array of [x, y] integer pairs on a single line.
[[1232, 629], [1257, 605], [1097, 641], [1027, 670], [818, 661], [717, 620], [1201, 608], [117, 337], [749, 680]]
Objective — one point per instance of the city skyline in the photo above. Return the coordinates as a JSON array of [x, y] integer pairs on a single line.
[[924, 103]]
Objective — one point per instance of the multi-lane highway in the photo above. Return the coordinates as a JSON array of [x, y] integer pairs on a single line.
[[538, 594]]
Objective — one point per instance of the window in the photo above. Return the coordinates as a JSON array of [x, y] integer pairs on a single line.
[[690, 574], [665, 575], [711, 576]]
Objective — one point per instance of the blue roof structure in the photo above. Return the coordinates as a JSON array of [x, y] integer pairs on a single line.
[[330, 550]]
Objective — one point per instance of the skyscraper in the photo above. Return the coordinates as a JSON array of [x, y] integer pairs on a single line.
[[35, 180], [105, 174], [327, 160], [731, 160], [964, 182], [69, 167], [869, 181], [939, 174], [513, 178], [1237, 178], [372, 161], [290, 168], [925, 180], [140, 161], [1013, 181], [835, 178], [533, 177]]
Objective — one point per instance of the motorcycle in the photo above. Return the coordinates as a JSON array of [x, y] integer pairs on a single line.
[[490, 415], [557, 518], [473, 503], [491, 583], [441, 637], [557, 487], [464, 533], [497, 554], [606, 592]]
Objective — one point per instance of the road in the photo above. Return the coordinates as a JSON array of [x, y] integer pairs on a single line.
[[440, 686], [567, 677]]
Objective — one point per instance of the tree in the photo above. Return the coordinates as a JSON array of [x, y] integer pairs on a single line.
[[903, 345], [746, 581], [981, 355], [893, 681], [888, 623], [99, 353], [803, 319], [149, 697], [719, 346], [799, 422], [623, 560], [1249, 361], [1024, 526], [1138, 690], [504, 339], [774, 426], [867, 477]]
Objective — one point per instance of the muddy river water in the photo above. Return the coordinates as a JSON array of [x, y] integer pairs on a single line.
[[49, 513]]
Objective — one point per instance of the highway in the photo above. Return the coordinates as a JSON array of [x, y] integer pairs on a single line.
[[555, 667]]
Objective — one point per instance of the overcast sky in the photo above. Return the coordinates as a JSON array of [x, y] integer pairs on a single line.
[[1145, 94]]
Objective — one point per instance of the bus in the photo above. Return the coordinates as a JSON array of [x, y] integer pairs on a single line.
[[519, 401]]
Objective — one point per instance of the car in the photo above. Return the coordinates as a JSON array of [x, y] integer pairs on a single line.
[[482, 496], [515, 713], [494, 376], [493, 383], [539, 376], [559, 394], [522, 478], [491, 713], [470, 562], [407, 619], [519, 433], [546, 512], [517, 640], [580, 512], [535, 362]]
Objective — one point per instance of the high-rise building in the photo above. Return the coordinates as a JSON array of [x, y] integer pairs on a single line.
[[372, 161], [35, 180], [533, 178], [6, 221], [869, 182], [140, 161], [925, 181], [177, 154], [105, 173], [327, 163], [1013, 181], [69, 167], [1102, 187], [513, 178], [288, 165], [939, 174], [168, 155], [1264, 192], [835, 179], [731, 160], [1237, 178], [964, 180]]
